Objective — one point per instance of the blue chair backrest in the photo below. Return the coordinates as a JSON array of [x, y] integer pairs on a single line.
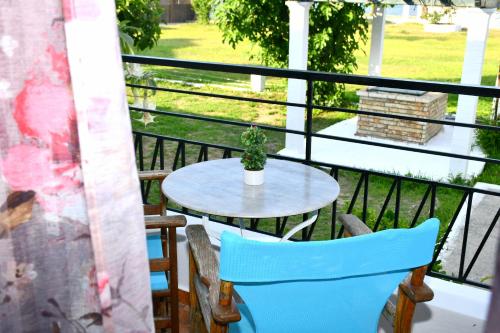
[[323, 286]]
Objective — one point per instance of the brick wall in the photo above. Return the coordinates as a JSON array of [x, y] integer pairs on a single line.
[[430, 105]]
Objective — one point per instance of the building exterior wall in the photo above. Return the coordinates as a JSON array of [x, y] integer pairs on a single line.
[[177, 11]]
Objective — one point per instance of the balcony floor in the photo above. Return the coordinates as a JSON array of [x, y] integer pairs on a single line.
[[443, 321]]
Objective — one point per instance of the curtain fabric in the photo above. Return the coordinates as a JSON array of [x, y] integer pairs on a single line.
[[72, 240]]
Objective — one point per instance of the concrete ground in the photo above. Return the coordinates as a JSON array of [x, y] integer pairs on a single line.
[[437, 320], [484, 208], [387, 159]]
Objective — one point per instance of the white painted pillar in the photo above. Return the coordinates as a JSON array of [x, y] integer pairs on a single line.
[[297, 59], [405, 15], [257, 82], [377, 42], [477, 35], [420, 10]]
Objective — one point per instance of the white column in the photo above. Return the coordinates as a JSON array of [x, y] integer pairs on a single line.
[[297, 59], [257, 82], [377, 42], [419, 13], [405, 15], [477, 35]]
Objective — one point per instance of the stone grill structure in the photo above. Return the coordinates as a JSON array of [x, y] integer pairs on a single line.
[[428, 105]]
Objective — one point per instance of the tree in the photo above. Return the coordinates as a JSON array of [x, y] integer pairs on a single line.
[[140, 20], [335, 32], [202, 8]]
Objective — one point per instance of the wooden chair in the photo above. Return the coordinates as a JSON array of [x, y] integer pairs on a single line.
[[162, 253], [341, 285]]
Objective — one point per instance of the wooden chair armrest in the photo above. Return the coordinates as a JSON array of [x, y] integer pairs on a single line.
[[412, 291], [156, 222], [153, 174], [353, 226], [207, 266], [417, 294], [223, 314], [414, 287]]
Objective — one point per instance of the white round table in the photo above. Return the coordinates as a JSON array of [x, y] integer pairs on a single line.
[[217, 188]]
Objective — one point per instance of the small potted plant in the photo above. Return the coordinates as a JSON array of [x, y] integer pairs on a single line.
[[254, 156]]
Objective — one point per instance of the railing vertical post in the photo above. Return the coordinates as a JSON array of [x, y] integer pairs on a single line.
[[432, 207], [304, 231], [140, 151], [309, 111], [162, 155], [365, 198], [466, 234], [335, 174], [398, 203]]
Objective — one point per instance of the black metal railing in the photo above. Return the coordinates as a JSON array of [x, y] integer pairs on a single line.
[[395, 183]]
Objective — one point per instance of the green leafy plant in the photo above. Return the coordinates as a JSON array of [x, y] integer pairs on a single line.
[[335, 33], [140, 20], [202, 8], [489, 140], [126, 41], [254, 157], [436, 16]]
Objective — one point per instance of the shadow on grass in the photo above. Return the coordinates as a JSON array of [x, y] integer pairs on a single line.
[[166, 47]]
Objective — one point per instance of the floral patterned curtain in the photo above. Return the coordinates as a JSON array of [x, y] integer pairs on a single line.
[[72, 240]]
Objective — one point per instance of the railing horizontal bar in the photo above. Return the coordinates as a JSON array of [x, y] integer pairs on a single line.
[[326, 136], [320, 107], [364, 80], [193, 142], [215, 120], [328, 165], [204, 94], [411, 118]]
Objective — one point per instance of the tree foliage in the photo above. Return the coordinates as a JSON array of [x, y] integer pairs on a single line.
[[202, 8], [140, 20], [335, 33]]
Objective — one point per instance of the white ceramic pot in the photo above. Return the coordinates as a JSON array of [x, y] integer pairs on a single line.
[[254, 177]]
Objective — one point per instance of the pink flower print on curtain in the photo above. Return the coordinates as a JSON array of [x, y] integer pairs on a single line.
[[72, 240]]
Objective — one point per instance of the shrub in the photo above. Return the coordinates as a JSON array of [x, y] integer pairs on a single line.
[[140, 20], [254, 157], [489, 141], [336, 32], [202, 8]]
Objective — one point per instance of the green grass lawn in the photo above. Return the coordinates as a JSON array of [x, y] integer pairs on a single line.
[[408, 53]]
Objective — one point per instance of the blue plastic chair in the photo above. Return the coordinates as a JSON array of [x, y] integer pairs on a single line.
[[320, 286], [155, 251]]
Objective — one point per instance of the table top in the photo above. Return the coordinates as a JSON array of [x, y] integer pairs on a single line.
[[217, 188]]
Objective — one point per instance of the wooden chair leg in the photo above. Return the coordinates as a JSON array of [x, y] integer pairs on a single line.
[[196, 318], [174, 284], [409, 294], [405, 309]]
